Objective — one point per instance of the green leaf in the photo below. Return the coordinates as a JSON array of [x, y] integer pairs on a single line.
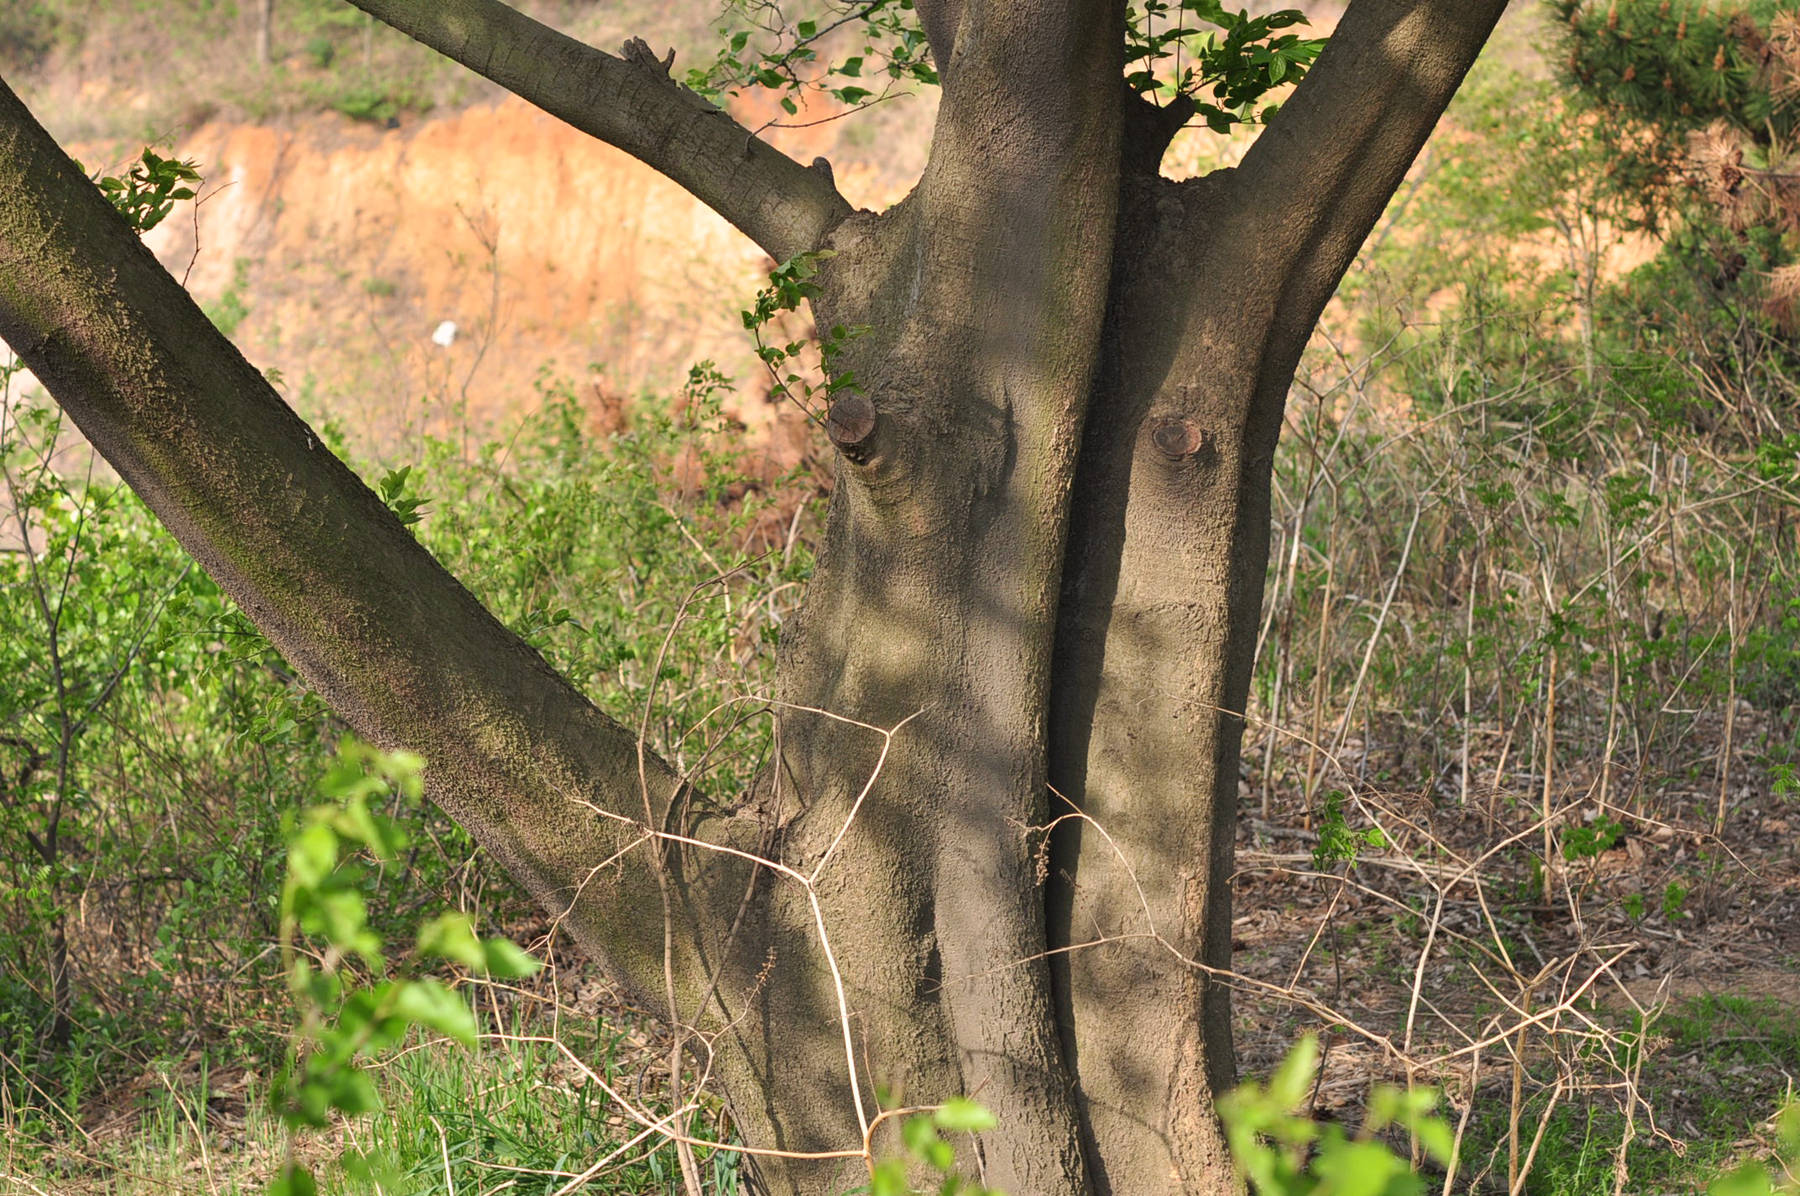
[[321, 988], [1787, 1127], [1366, 1169], [452, 936], [341, 916], [507, 960], [293, 1180], [349, 1090], [355, 1022], [1293, 1079], [918, 1134], [1436, 1136], [312, 854], [1752, 1179], [959, 1114], [939, 1154], [428, 1003], [889, 1179], [358, 823]]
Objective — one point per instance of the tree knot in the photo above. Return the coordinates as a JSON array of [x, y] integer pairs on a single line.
[[637, 51], [1176, 438], [850, 423]]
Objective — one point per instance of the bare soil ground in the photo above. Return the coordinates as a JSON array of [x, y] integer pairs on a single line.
[[1442, 958]]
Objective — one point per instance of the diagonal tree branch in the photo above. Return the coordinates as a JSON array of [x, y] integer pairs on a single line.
[[632, 103], [1321, 174], [540, 777]]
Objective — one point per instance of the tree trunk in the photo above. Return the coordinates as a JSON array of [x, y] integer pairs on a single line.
[[265, 31], [1041, 573], [1160, 599]]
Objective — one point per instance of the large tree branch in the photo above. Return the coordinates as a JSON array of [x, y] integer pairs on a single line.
[[541, 778], [1318, 178], [940, 19], [633, 104]]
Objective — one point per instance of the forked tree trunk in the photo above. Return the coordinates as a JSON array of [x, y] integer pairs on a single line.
[[1043, 565]]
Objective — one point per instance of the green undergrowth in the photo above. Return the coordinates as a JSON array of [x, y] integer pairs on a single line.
[[1719, 1068], [510, 1113], [516, 1112], [1535, 510], [152, 743], [651, 567], [1534, 557], [1282, 1151]]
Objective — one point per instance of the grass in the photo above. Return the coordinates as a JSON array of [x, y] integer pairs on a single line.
[[515, 1116], [512, 1115], [1720, 1066]]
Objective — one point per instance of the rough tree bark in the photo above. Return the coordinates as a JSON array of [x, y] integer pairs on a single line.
[[1047, 542]]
